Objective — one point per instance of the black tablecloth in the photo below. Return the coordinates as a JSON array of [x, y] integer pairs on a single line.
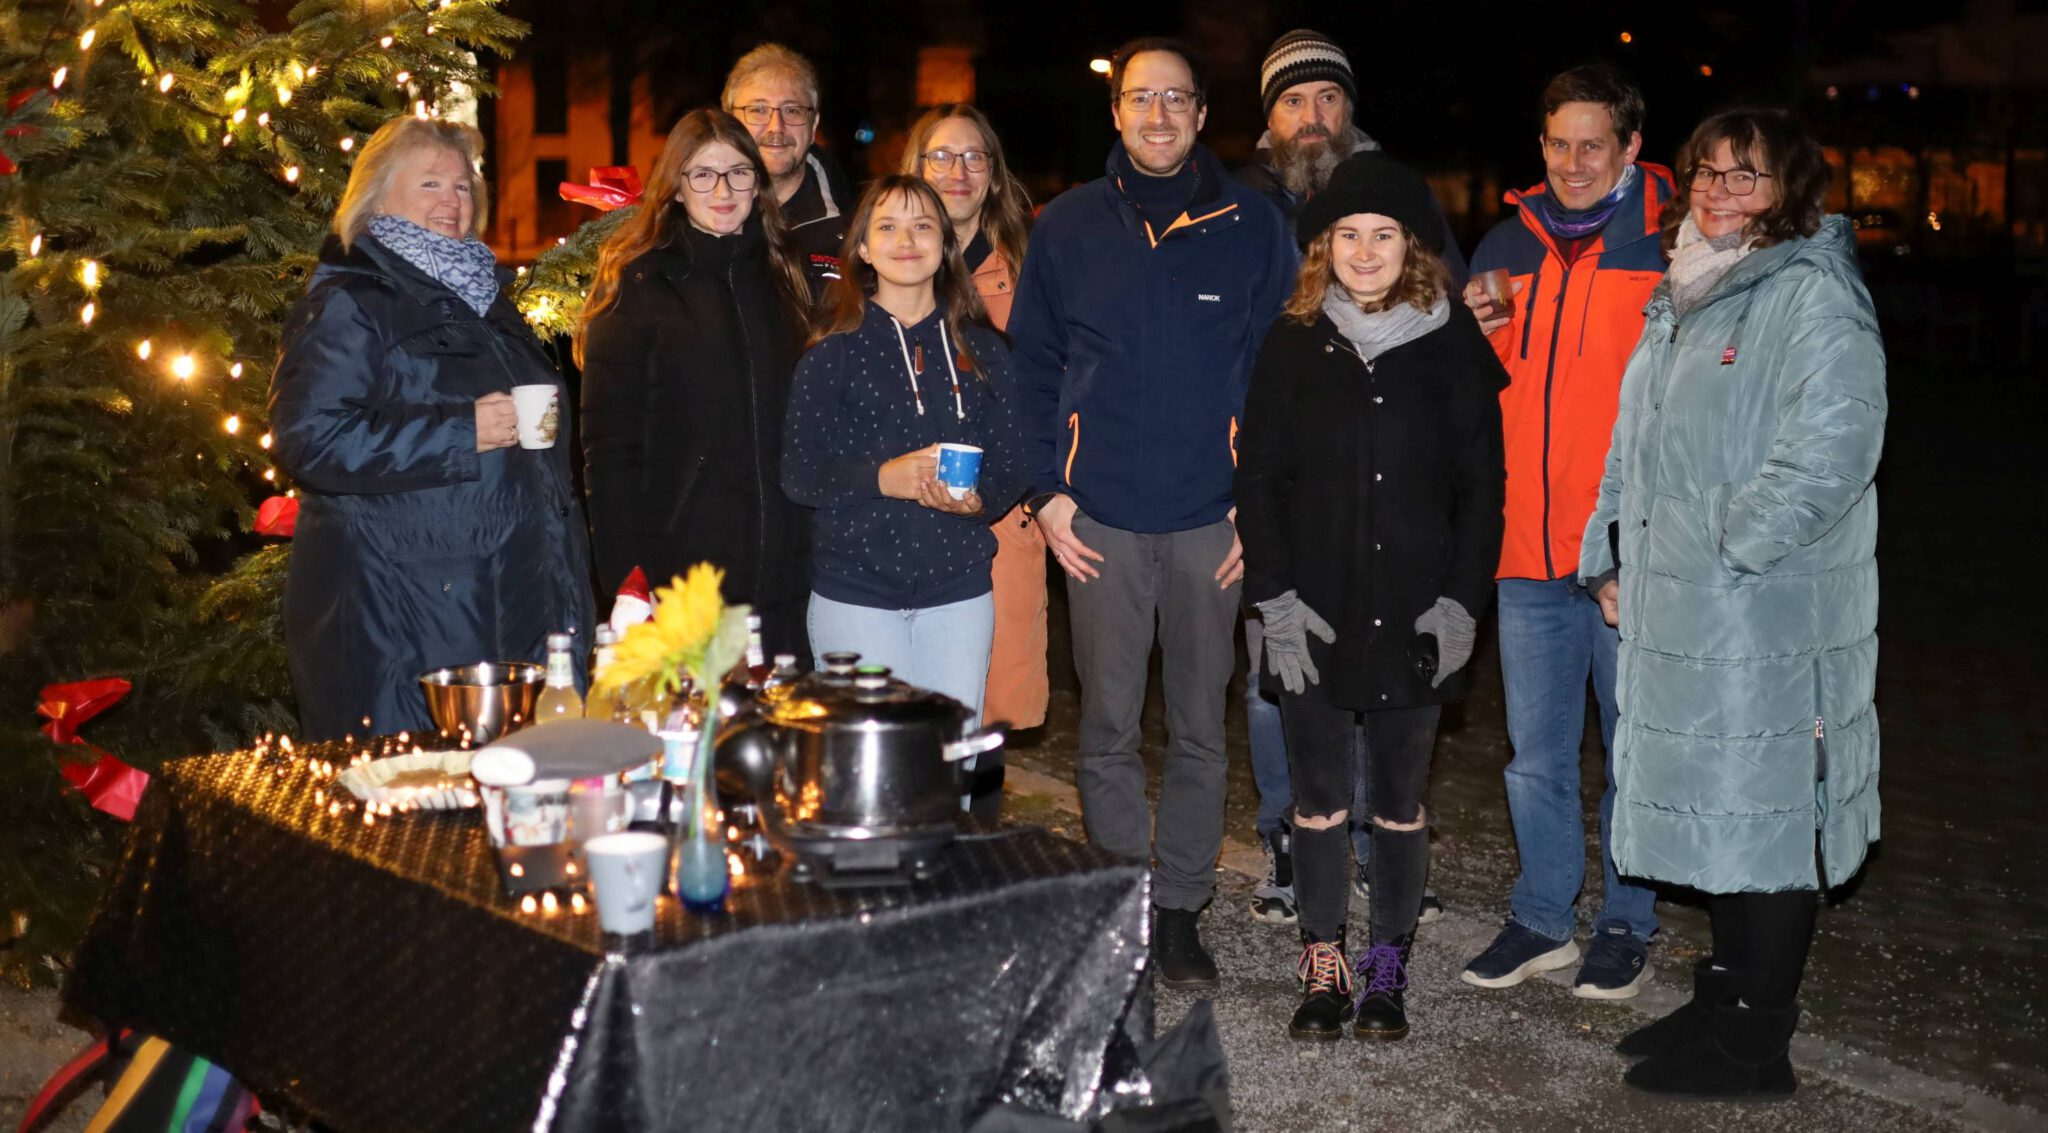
[[373, 975]]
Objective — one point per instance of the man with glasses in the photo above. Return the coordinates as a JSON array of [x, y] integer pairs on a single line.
[[1582, 255], [1143, 300], [774, 92]]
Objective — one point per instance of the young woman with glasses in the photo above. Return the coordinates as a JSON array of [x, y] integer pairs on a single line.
[[955, 150], [693, 327]]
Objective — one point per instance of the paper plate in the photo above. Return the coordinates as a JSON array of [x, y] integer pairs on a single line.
[[423, 780]]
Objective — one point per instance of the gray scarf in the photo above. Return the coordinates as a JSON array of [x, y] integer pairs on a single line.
[[1699, 262], [1374, 334], [465, 267]]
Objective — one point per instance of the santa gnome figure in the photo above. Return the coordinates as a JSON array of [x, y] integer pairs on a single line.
[[634, 604]]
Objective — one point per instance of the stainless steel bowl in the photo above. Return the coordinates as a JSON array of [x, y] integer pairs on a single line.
[[483, 701]]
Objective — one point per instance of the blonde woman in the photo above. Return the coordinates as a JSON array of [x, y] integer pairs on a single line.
[[955, 150], [426, 535]]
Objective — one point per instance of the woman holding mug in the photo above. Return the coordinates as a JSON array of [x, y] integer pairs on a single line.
[[693, 327], [427, 536], [905, 361], [1734, 544], [1369, 492]]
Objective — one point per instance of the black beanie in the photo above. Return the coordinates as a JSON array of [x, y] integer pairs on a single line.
[[1373, 182], [1304, 56]]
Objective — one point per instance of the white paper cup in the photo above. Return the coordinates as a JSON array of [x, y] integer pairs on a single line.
[[538, 414], [626, 874]]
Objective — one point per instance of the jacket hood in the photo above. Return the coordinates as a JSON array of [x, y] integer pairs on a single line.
[[1655, 188], [1829, 252]]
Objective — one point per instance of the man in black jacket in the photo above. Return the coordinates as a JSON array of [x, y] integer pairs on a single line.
[[774, 91]]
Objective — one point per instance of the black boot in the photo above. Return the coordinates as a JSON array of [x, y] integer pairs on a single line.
[[1383, 973], [1710, 985], [1184, 965], [1741, 1057], [1325, 977]]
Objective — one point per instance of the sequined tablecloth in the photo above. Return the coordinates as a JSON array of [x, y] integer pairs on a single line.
[[368, 971]]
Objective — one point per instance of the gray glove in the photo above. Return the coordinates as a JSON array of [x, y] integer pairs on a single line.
[[1455, 633], [1289, 621]]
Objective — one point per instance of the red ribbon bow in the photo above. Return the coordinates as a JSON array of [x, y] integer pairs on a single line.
[[278, 515], [611, 187], [107, 783], [14, 103]]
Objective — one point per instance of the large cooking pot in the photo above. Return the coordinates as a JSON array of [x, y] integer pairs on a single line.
[[853, 765]]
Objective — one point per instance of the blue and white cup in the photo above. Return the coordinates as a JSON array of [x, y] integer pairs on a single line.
[[627, 871], [959, 468]]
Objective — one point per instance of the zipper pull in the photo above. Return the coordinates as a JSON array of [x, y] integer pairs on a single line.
[[1819, 729], [1674, 332]]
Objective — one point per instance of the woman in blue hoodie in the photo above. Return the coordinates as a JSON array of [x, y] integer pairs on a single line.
[[905, 360]]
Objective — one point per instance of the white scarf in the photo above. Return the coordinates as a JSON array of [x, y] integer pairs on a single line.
[[1374, 334], [1698, 262]]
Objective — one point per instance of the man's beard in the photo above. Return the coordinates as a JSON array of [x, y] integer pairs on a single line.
[[1305, 162]]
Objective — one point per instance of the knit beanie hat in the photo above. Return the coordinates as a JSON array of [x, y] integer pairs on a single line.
[[1304, 56], [1373, 182]]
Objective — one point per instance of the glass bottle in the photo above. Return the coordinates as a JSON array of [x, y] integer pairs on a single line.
[[559, 700], [612, 707]]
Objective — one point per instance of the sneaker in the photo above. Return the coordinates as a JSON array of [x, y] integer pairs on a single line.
[[1515, 955], [1273, 900], [1432, 908], [1617, 965]]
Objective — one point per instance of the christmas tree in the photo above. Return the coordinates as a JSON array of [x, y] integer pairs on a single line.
[[167, 171]]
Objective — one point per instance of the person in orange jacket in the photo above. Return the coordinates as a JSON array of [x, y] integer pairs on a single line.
[[1581, 254]]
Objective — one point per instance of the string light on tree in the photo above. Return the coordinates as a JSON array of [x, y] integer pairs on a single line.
[[347, 144], [163, 85], [57, 77], [233, 424], [263, 441], [235, 371], [240, 115], [385, 43], [85, 41], [183, 367], [89, 275], [142, 350], [86, 313], [291, 174], [35, 245]]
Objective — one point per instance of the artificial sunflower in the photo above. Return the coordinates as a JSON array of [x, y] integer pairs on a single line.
[[692, 632]]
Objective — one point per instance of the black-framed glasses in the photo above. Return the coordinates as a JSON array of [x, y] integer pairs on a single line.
[[1176, 101], [943, 159], [1740, 182], [739, 178], [758, 113]]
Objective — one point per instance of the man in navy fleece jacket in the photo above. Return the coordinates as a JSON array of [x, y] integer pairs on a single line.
[[1142, 302]]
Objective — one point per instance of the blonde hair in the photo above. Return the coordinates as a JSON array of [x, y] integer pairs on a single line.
[[377, 167], [1423, 279], [770, 58], [1006, 212]]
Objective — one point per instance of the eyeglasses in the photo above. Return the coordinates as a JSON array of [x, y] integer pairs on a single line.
[[943, 159], [757, 113], [1177, 101], [1740, 182], [739, 179]]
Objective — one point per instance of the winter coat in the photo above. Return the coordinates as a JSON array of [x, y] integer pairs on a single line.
[[413, 551], [1264, 177], [817, 215], [996, 282], [1740, 487], [1565, 348], [851, 411], [1372, 489], [1133, 348], [685, 383]]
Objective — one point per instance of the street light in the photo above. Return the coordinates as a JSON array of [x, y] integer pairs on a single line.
[[1099, 66]]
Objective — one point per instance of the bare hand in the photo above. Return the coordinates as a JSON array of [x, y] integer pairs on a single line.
[[1491, 316], [935, 496], [904, 478], [1610, 602], [1056, 520], [1232, 570], [497, 423]]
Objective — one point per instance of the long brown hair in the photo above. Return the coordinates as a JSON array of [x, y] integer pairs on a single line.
[[661, 218], [1006, 211], [1762, 141], [847, 299], [1423, 279]]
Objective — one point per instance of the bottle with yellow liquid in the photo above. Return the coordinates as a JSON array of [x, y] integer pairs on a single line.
[[559, 700]]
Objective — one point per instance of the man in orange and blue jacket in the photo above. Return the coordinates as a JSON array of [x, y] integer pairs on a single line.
[[1582, 255]]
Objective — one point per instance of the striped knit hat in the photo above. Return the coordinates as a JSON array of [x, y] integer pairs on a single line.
[[1304, 56]]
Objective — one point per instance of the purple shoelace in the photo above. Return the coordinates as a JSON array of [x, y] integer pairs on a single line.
[[1382, 970]]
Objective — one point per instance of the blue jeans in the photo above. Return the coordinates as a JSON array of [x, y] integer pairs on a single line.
[[943, 648], [1269, 756], [1552, 639]]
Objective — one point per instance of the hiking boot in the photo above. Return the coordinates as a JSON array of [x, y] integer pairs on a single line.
[[1326, 985], [1515, 955], [1184, 965], [1273, 900], [1742, 1056], [1617, 965], [1383, 973], [1432, 908], [1710, 985]]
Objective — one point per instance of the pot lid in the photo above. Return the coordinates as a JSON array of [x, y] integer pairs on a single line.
[[849, 694]]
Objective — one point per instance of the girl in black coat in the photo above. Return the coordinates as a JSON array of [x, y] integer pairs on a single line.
[[693, 327], [1369, 491]]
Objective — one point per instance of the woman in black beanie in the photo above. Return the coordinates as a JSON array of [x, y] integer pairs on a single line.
[[1369, 491]]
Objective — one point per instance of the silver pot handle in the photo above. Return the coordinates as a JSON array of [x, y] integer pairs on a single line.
[[973, 745]]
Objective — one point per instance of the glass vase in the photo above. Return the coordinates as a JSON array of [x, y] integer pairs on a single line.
[[702, 877]]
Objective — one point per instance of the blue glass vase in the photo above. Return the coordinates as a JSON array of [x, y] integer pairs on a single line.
[[702, 877]]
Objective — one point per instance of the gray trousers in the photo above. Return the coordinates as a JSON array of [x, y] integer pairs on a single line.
[[1164, 583]]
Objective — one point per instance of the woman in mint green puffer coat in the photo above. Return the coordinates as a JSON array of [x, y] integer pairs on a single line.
[[1738, 497]]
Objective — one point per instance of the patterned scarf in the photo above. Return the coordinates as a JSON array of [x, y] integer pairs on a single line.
[[1374, 334], [1699, 262], [1577, 224], [465, 267]]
